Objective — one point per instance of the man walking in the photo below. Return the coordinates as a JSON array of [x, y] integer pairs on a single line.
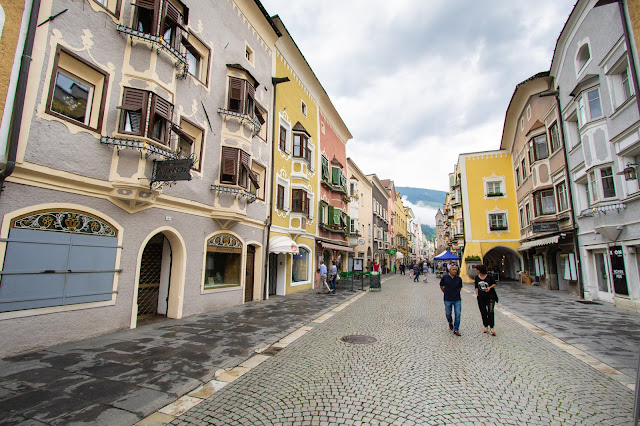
[[416, 272], [323, 275], [451, 284]]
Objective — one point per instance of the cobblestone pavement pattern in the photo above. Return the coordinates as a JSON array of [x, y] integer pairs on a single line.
[[418, 372]]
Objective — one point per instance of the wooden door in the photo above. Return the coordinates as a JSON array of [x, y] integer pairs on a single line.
[[248, 281]]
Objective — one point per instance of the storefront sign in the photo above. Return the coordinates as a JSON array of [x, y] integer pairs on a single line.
[[545, 227], [172, 170], [392, 251], [618, 271]]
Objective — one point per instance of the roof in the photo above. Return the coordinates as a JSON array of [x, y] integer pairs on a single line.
[[268, 17], [243, 69], [300, 128]]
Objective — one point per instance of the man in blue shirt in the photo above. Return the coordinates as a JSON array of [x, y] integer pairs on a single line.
[[323, 275], [451, 284]]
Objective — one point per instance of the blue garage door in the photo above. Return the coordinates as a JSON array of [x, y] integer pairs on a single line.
[[44, 268]]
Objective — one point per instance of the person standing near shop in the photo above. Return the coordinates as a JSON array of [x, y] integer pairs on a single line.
[[425, 270], [416, 272], [323, 275], [487, 298], [451, 284]]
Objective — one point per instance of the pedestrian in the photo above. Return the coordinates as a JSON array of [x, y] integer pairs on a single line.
[[451, 284], [416, 272], [376, 266], [425, 270], [411, 270], [395, 266], [333, 274], [401, 267], [487, 298], [323, 275]]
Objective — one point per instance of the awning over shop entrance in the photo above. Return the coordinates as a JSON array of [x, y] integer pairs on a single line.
[[399, 255], [336, 247], [537, 243], [283, 245]]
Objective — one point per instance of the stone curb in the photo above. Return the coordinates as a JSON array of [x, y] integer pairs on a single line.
[[225, 376], [627, 381]]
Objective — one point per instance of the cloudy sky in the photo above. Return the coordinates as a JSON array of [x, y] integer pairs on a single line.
[[419, 81]]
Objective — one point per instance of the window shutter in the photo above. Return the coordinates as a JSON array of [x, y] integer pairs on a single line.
[[307, 203], [133, 99], [283, 138], [321, 213], [348, 222], [236, 95], [230, 163], [330, 215], [337, 215], [162, 107], [335, 176], [325, 168], [251, 99]]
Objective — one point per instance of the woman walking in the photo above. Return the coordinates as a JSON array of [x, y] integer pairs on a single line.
[[487, 298]]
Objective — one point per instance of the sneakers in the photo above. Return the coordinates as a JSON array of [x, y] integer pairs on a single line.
[[484, 330], [493, 332], [456, 332], [450, 326]]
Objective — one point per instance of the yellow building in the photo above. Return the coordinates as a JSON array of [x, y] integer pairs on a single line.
[[491, 231], [400, 218], [295, 180]]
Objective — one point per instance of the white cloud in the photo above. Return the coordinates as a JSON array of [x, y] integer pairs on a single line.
[[426, 214]]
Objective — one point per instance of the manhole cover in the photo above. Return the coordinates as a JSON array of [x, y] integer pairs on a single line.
[[588, 302], [358, 338]]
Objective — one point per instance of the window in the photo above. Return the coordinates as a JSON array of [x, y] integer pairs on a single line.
[[593, 188], [198, 55], [300, 266], [111, 6], [524, 169], [521, 123], [257, 187], [528, 112], [522, 223], [353, 188], [497, 221], [518, 175], [241, 97], [538, 146], [299, 201], [595, 109], [544, 202], [236, 169], [133, 116], [223, 264], [77, 91], [625, 83], [353, 228], [555, 137], [248, 54], [190, 137], [582, 57], [170, 19], [608, 187], [561, 194], [301, 146], [573, 133], [280, 198], [283, 139], [493, 189], [303, 108], [325, 169], [527, 210]]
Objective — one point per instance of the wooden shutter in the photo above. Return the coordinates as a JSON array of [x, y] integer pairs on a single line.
[[230, 164], [337, 215], [154, 7], [250, 100], [330, 215], [162, 107], [335, 176], [236, 95], [134, 100]]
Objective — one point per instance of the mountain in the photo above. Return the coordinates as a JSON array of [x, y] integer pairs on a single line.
[[423, 197], [429, 231]]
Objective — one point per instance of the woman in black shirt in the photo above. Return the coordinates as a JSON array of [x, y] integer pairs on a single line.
[[487, 297]]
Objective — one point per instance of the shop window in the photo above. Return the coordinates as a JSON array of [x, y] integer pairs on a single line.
[[538, 262], [568, 266], [198, 58], [300, 266], [77, 91], [223, 263]]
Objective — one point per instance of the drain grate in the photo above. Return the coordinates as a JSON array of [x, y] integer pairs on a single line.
[[588, 302], [358, 339]]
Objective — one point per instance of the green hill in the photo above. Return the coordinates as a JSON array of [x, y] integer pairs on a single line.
[[429, 231]]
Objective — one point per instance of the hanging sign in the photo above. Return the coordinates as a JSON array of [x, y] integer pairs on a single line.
[[172, 170]]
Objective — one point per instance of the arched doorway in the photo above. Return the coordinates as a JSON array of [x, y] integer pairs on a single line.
[[504, 261], [163, 258], [154, 279]]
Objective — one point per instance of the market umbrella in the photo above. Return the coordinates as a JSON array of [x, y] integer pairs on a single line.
[[446, 255]]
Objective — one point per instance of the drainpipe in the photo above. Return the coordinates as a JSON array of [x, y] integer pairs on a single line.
[[18, 102], [275, 81], [576, 245]]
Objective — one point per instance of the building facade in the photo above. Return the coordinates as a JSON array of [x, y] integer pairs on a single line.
[[109, 120], [491, 226], [380, 201], [440, 229], [400, 219], [597, 90], [532, 135], [295, 177], [360, 213]]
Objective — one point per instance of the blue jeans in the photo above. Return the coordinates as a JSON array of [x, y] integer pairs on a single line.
[[457, 307]]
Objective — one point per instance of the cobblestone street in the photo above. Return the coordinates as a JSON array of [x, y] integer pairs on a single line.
[[418, 372]]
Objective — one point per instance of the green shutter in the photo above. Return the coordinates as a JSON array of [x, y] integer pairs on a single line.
[[348, 224], [337, 215], [335, 176], [325, 168], [320, 213], [330, 214]]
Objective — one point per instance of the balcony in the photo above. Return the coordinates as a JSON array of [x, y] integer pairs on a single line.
[[333, 228], [336, 188], [160, 42]]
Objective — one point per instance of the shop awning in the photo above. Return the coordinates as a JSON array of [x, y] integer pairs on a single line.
[[336, 247], [399, 255], [537, 243], [283, 245]]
